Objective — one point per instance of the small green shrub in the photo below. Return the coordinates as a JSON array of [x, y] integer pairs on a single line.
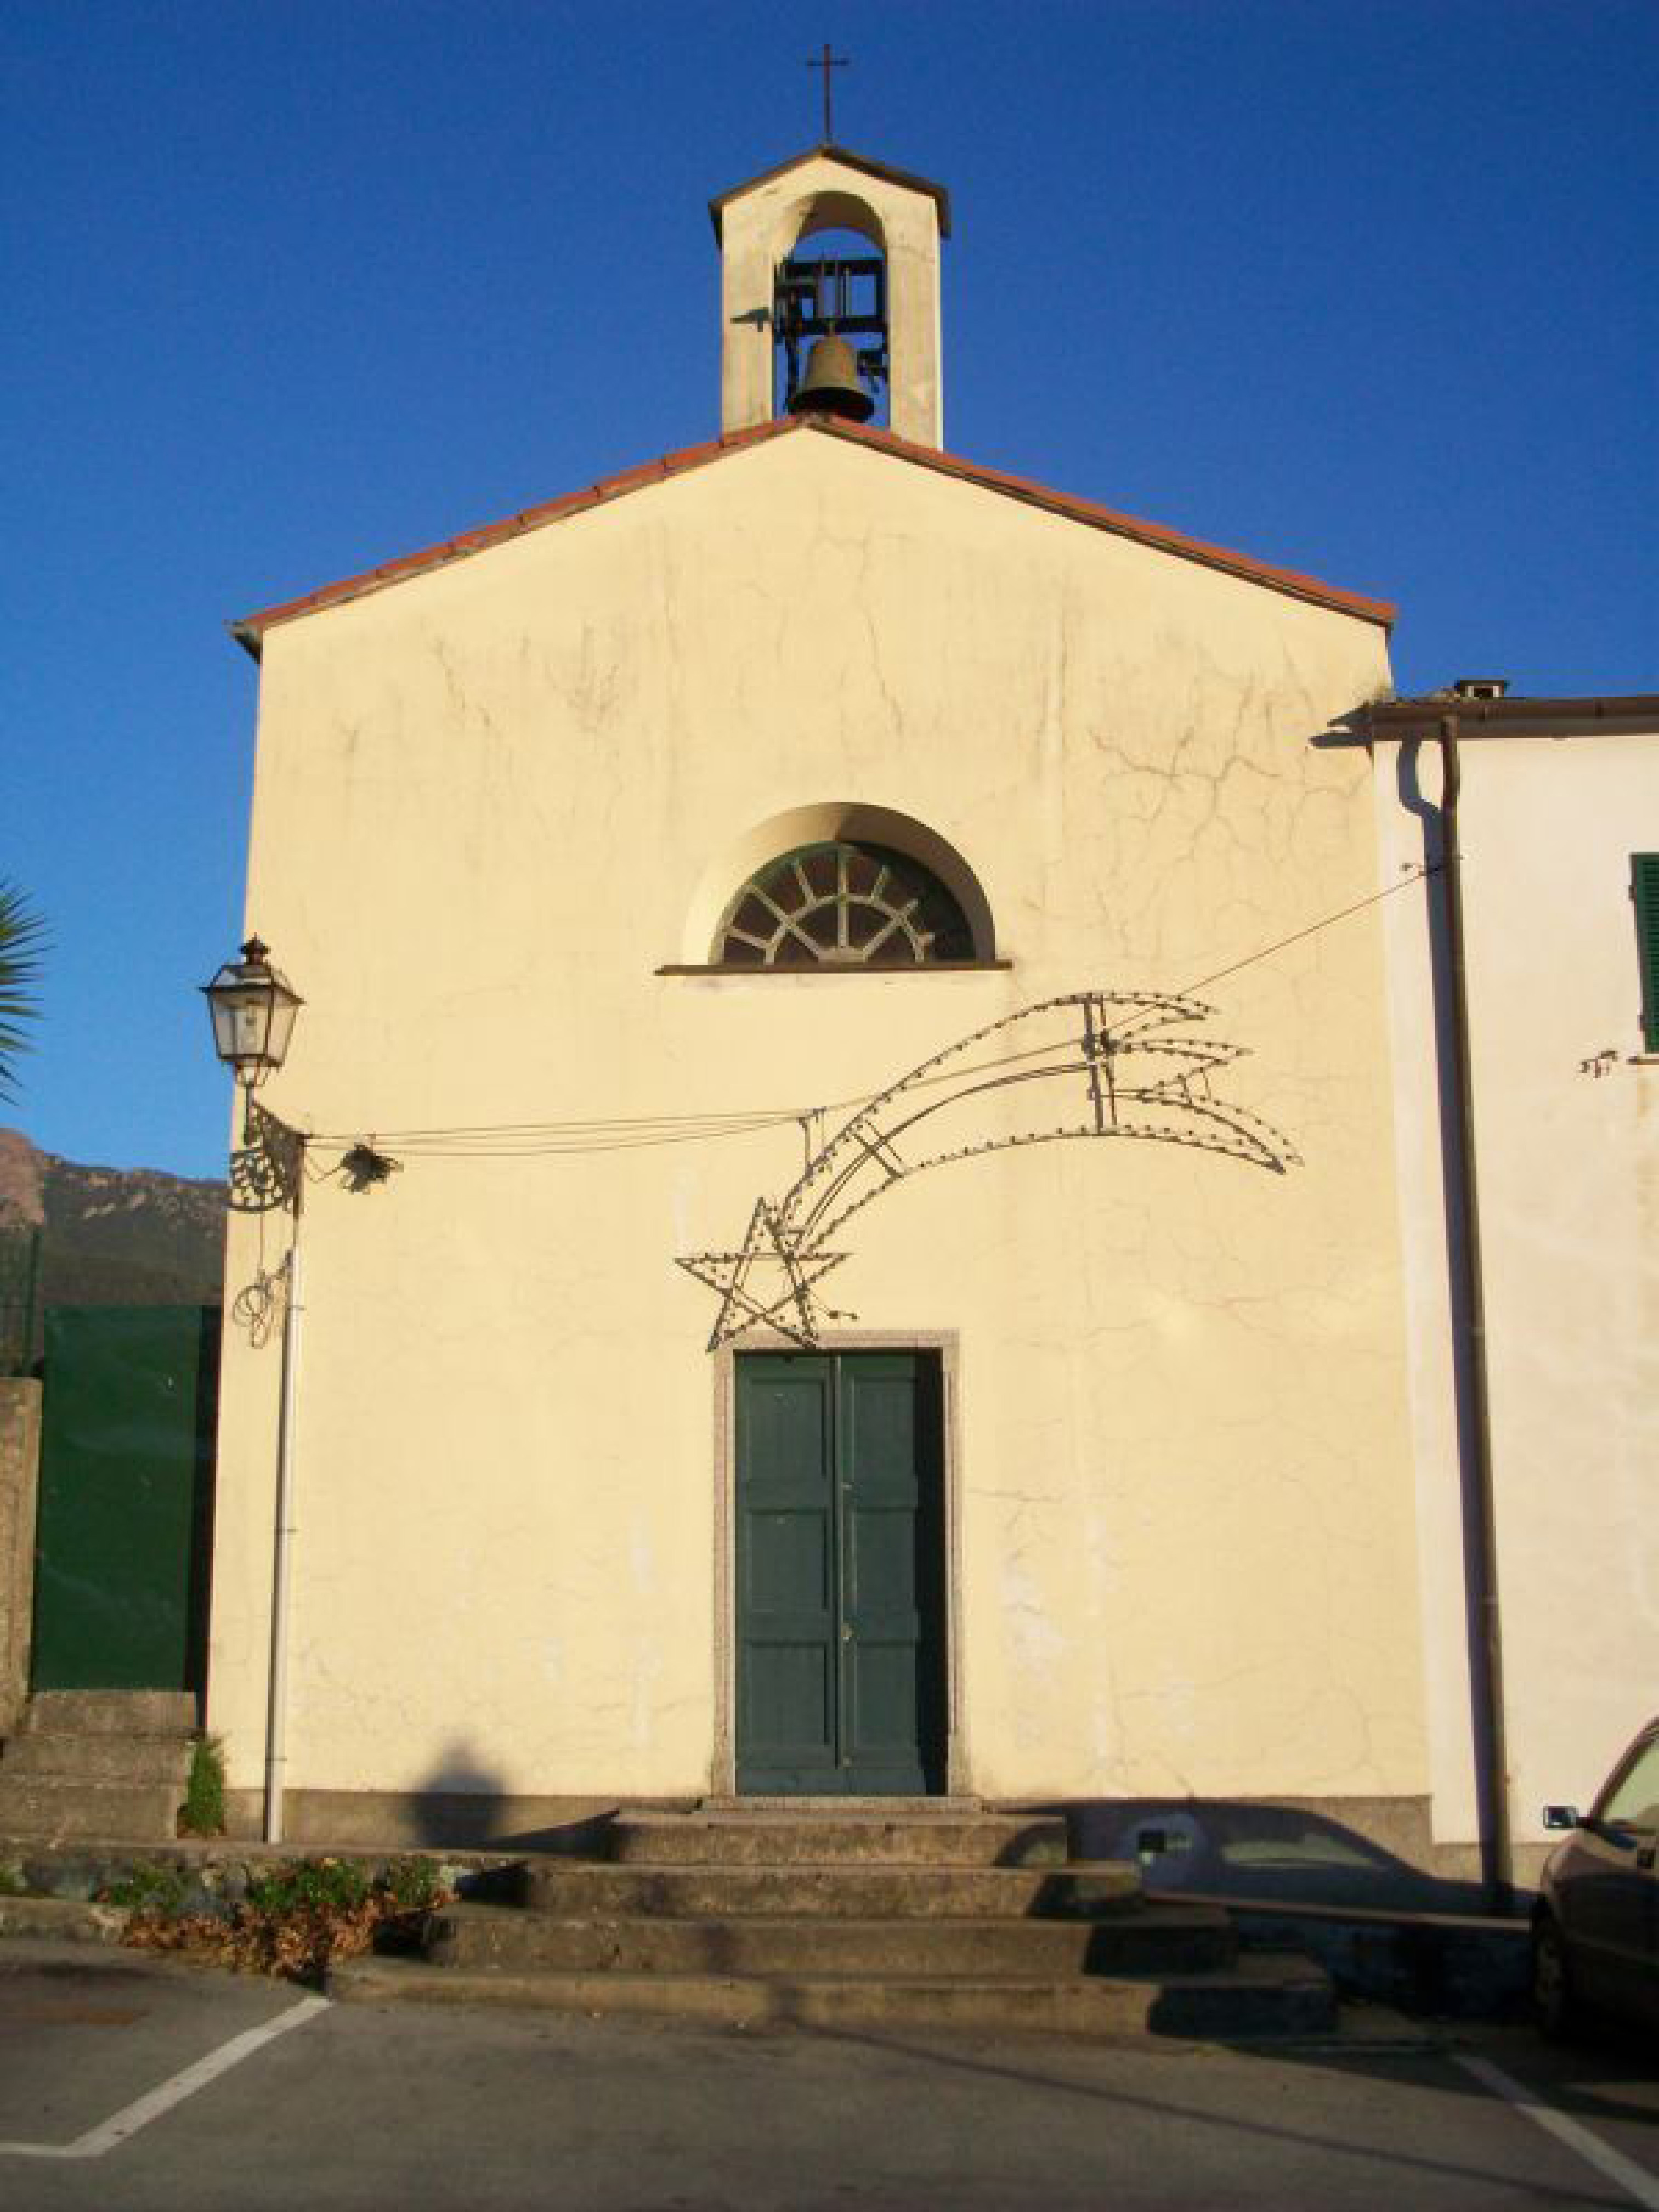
[[150, 1889], [310, 1886], [203, 1812], [412, 1885], [12, 1883], [294, 1918]]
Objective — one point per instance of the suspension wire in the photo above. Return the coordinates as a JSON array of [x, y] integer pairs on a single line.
[[599, 1133], [1376, 898], [554, 1146], [596, 1121]]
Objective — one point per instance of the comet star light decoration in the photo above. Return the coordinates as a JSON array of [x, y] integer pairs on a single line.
[[1119, 1075]]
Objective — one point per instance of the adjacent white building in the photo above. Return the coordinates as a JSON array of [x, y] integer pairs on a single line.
[[1558, 831]]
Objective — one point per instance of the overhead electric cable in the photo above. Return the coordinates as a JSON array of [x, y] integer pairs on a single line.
[[600, 1134]]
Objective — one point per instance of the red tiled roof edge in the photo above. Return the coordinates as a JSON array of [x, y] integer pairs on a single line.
[[1157, 534], [251, 628]]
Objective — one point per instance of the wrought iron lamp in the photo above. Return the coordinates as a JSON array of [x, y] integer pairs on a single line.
[[253, 1007]]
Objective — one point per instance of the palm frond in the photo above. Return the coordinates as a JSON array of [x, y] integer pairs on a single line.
[[22, 945]]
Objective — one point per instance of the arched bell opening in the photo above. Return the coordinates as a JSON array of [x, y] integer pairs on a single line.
[[831, 318], [832, 206]]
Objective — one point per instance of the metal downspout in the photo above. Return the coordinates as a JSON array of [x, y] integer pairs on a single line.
[[276, 1711], [1491, 1753]]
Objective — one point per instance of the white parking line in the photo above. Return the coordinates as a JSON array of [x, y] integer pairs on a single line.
[[151, 2107], [1635, 2179]]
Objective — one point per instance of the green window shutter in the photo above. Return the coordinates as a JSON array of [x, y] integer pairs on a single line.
[[1644, 889]]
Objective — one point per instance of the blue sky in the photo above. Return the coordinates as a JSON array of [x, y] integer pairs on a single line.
[[1365, 289]]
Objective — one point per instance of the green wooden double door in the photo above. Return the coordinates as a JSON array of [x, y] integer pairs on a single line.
[[841, 1579]]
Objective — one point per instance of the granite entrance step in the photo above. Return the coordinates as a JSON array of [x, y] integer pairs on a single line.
[[1159, 1939], [1266, 1995], [574, 1888], [854, 1917], [883, 1838]]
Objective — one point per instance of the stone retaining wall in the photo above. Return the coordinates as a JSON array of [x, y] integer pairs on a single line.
[[19, 1473]]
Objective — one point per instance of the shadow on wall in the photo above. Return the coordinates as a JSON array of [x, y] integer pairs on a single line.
[[462, 1802], [1252, 1852], [459, 1772]]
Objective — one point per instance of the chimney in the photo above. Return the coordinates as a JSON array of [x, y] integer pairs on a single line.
[[1481, 687]]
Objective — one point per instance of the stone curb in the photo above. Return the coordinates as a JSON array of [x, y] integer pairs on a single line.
[[66, 1918], [212, 1869]]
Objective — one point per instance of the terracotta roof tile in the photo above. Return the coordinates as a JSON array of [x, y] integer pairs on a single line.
[[252, 628]]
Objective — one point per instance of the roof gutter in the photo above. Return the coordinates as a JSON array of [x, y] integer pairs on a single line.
[[1510, 717]]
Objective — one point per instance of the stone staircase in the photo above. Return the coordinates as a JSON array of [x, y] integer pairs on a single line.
[[854, 1920], [102, 1764]]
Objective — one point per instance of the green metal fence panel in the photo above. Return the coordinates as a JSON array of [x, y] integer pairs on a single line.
[[127, 1498], [20, 1299]]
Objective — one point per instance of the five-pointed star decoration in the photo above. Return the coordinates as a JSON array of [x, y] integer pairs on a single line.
[[788, 1274], [1122, 1077]]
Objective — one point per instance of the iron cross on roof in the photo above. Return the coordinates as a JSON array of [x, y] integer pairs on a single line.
[[826, 62]]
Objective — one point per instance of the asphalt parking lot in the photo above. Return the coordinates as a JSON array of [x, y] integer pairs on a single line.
[[136, 2085]]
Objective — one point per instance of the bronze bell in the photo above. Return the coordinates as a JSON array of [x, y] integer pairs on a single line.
[[831, 385]]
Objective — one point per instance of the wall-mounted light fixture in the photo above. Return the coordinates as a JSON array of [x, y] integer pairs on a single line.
[[253, 1008]]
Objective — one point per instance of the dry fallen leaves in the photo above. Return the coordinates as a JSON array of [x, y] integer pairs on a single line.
[[299, 1944]]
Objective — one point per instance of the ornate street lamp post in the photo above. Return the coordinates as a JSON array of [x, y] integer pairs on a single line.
[[253, 1008]]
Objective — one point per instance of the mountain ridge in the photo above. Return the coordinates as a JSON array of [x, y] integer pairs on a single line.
[[113, 1235]]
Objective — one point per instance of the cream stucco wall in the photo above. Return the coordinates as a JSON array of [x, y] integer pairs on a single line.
[[485, 801], [1568, 1165]]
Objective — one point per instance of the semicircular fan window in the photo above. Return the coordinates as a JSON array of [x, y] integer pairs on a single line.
[[842, 905]]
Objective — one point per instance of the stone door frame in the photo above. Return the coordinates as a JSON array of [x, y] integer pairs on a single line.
[[946, 1345]]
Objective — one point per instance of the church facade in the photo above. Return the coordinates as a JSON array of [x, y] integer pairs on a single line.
[[864, 997]]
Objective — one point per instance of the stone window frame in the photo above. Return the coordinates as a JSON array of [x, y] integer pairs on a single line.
[[911, 846]]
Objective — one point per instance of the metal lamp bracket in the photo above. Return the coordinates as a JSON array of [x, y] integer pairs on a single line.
[[265, 1173]]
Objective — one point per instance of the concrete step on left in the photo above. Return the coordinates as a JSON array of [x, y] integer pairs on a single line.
[[34, 1808], [110, 1712], [95, 1758]]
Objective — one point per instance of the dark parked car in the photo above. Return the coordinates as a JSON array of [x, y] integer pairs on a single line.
[[1595, 1927]]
